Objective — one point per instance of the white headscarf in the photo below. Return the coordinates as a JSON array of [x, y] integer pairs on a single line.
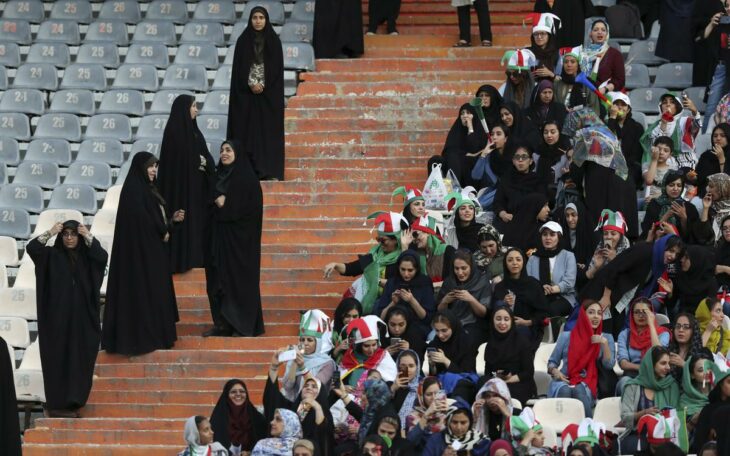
[[192, 438]]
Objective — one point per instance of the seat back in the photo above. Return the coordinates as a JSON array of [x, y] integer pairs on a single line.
[[73, 101]]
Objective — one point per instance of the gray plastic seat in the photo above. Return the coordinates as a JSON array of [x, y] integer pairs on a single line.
[[151, 145], [121, 10], [646, 100], [236, 31], [9, 151], [57, 30], [222, 79], [122, 101], [58, 125], [107, 30], [643, 52], [3, 174], [14, 223], [160, 32], [136, 76], [203, 32], [290, 83], [56, 151], [697, 95], [73, 10], [230, 52], [199, 54], [97, 175], [74, 196], [216, 11], [44, 174], [298, 56], [274, 8], [28, 101], [604, 3], [214, 146], [151, 126], [91, 76], [43, 76], [15, 31], [186, 77], [303, 11], [674, 75], [56, 54], [3, 78], [162, 101], [639, 117], [149, 53], [101, 150], [106, 54], [216, 102], [14, 125], [213, 126], [637, 75], [115, 126], [168, 10], [26, 10], [22, 196], [73, 101], [123, 171], [9, 55], [297, 31]]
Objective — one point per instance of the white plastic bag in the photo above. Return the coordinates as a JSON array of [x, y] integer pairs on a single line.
[[435, 189], [452, 183]]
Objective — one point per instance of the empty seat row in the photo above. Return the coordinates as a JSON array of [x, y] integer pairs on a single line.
[[102, 150]]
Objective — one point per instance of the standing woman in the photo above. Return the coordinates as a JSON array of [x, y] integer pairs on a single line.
[[485, 26], [233, 265], [603, 63], [141, 311], [338, 29], [256, 110], [185, 179], [675, 35]]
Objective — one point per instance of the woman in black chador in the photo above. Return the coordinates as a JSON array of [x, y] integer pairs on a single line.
[[9, 426], [140, 311], [233, 260], [185, 177], [68, 278], [256, 110], [338, 29]]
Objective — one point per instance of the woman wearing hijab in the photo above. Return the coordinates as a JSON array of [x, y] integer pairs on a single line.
[[493, 408], [141, 311], [429, 416], [715, 207], [518, 88], [234, 247], [256, 109], [410, 288], [628, 131], [462, 227], [722, 254], [519, 181], [695, 387], [569, 92], [436, 256], [404, 333], [605, 63], [485, 27], [491, 252], [613, 242], [523, 295], [714, 159], [718, 401], [491, 101], [529, 214], [338, 29], [552, 155], [452, 350], [579, 351], [347, 310], [676, 31], [495, 157], [544, 106], [414, 204], [715, 336], [572, 14], [405, 387], [9, 423], [695, 279], [388, 425], [671, 207], [238, 425], [544, 45], [686, 342], [185, 179], [578, 236], [459, 421], [510, 356], [285, 430], [365, 353], [377, 397], [68, 278], [513, 117], [199, 439], [465, 140]]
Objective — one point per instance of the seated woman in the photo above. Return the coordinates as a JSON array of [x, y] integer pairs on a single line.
[[490, 256], [718, 399], [285, 431], [404, 389], [714, 159], [313, 359], [493, 409], [694, 281], [491, 101], [347, 310], [490, 165], [199, 437], [462, 228], [429, 416], [672, 124], [466, 295], [715, 336], [524, 295], [388, 425], [686, 342], [459, 422], [695, 387], [509, 356], [238, 425], [552, 155], [410, 288], [436, 257], [614, 241], [463, 143], [513, 118], [722, 258], [544, 45], [605, 64], [520, 181], [578, 237], [379, 264], [452, 349], [715, 207], [365, 353], [377, 400], [578, 351], [555, 269], [414, 204], [523, 229], [671, 207], [404, 333], [519, 84], [570, 92], [544, 107]]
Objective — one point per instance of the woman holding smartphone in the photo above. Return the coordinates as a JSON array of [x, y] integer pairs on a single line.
[[671, 207]]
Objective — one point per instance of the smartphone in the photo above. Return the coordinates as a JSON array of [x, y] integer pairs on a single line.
[[336, 379], [403, 371], [288, 355], [440, 395], [395, 341], [430, 350]]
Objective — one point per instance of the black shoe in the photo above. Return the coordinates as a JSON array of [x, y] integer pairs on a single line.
[[217, 331]]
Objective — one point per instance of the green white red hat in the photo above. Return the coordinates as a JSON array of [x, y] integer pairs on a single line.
[[588, 431], [612, 221], [575, 52], [315, 323], [366, 328], [659, 428], [428, 225], [526, 421], [519, 59], [544, 22], [389, 223], [409, 193], [467, 195]]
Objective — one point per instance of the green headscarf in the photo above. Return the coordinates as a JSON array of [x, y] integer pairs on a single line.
[[692, 399], [371, 274], [666, 390]]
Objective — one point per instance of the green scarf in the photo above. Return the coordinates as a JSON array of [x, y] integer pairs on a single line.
[[666, 390], [371, 274], [692, 399], [665, 204], [646, 140]]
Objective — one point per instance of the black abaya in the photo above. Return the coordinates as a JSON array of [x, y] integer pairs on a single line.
[[253, 426], [338, 29], [523, 230], [184, 180], [67, 287], [141, 310], [233, 266], [459, 143], [9, 425], [257, 120]]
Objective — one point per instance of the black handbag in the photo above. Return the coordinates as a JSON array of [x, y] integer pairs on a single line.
[[607, 380]]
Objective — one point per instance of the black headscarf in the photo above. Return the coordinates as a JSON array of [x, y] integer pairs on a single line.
[[549, 56], [709, 164], [458, 348], [503, 348], [523, 231], [477, 284], [81, 247], [9, 426], [491, 114], [579, 96], [697, 283], [530, 302], [458, 134], [467, 234], [521, 128], [550, 154], [584, 237], [510, 91], [544, 256], [262, 43], [243, 425]]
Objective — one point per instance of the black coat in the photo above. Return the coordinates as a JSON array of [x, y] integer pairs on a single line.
[[707, 50], [338, 28], [629, 134], [572, 14], [9, 424]]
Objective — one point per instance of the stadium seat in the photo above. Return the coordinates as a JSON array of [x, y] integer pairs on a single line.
[[542, 355], [216, 11], [152, 126], [662, 319], [15, 331], [121, 10], [186, 77], [214, 146], [73, 101], [646, 100], [203, 32], [167, 10], [298, 56], [222, 79], [697, 95], [14, 223], [674, 76], [8, 251], [56, 54], [608, 412], [41, 76], [109, 126], [62, 31], [31, 11], [136, 76], [27, 101], [639, 117], [551, 437], [158, 32], [274, 8], [58, 125], [199, 54], [91, 76], [303, 11], [26, 273], [122, 101], [3, 78], [29, 377], [643, 52], [44, 174], [50, 217], [14, 125], [151, 145], [163, 99], [74, 196], [18, 302], [106, 54], [236, 31], [148, 53], [111, 201], [213, 126], [104, 221], [480, 359], [297, 31], [9, 54], [15, 31], [216, 102], [559, 412], [9, 151], [107, 30], [102, 150], [655, 27], [73, 10], [228, 60], [3, 174], [637, 75], [97, 175], [50, 150], [28, 197]]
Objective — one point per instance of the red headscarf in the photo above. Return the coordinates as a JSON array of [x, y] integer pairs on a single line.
[[582, 353], [641, 340]]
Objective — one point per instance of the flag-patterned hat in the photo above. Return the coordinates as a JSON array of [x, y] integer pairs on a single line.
[[612, 221], [519, 59], [409, 193], [389, 223]]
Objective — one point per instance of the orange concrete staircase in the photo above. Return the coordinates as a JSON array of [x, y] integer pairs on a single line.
[[355, 130]]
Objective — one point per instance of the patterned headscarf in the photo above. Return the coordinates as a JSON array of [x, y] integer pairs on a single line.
[[282, 445]]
